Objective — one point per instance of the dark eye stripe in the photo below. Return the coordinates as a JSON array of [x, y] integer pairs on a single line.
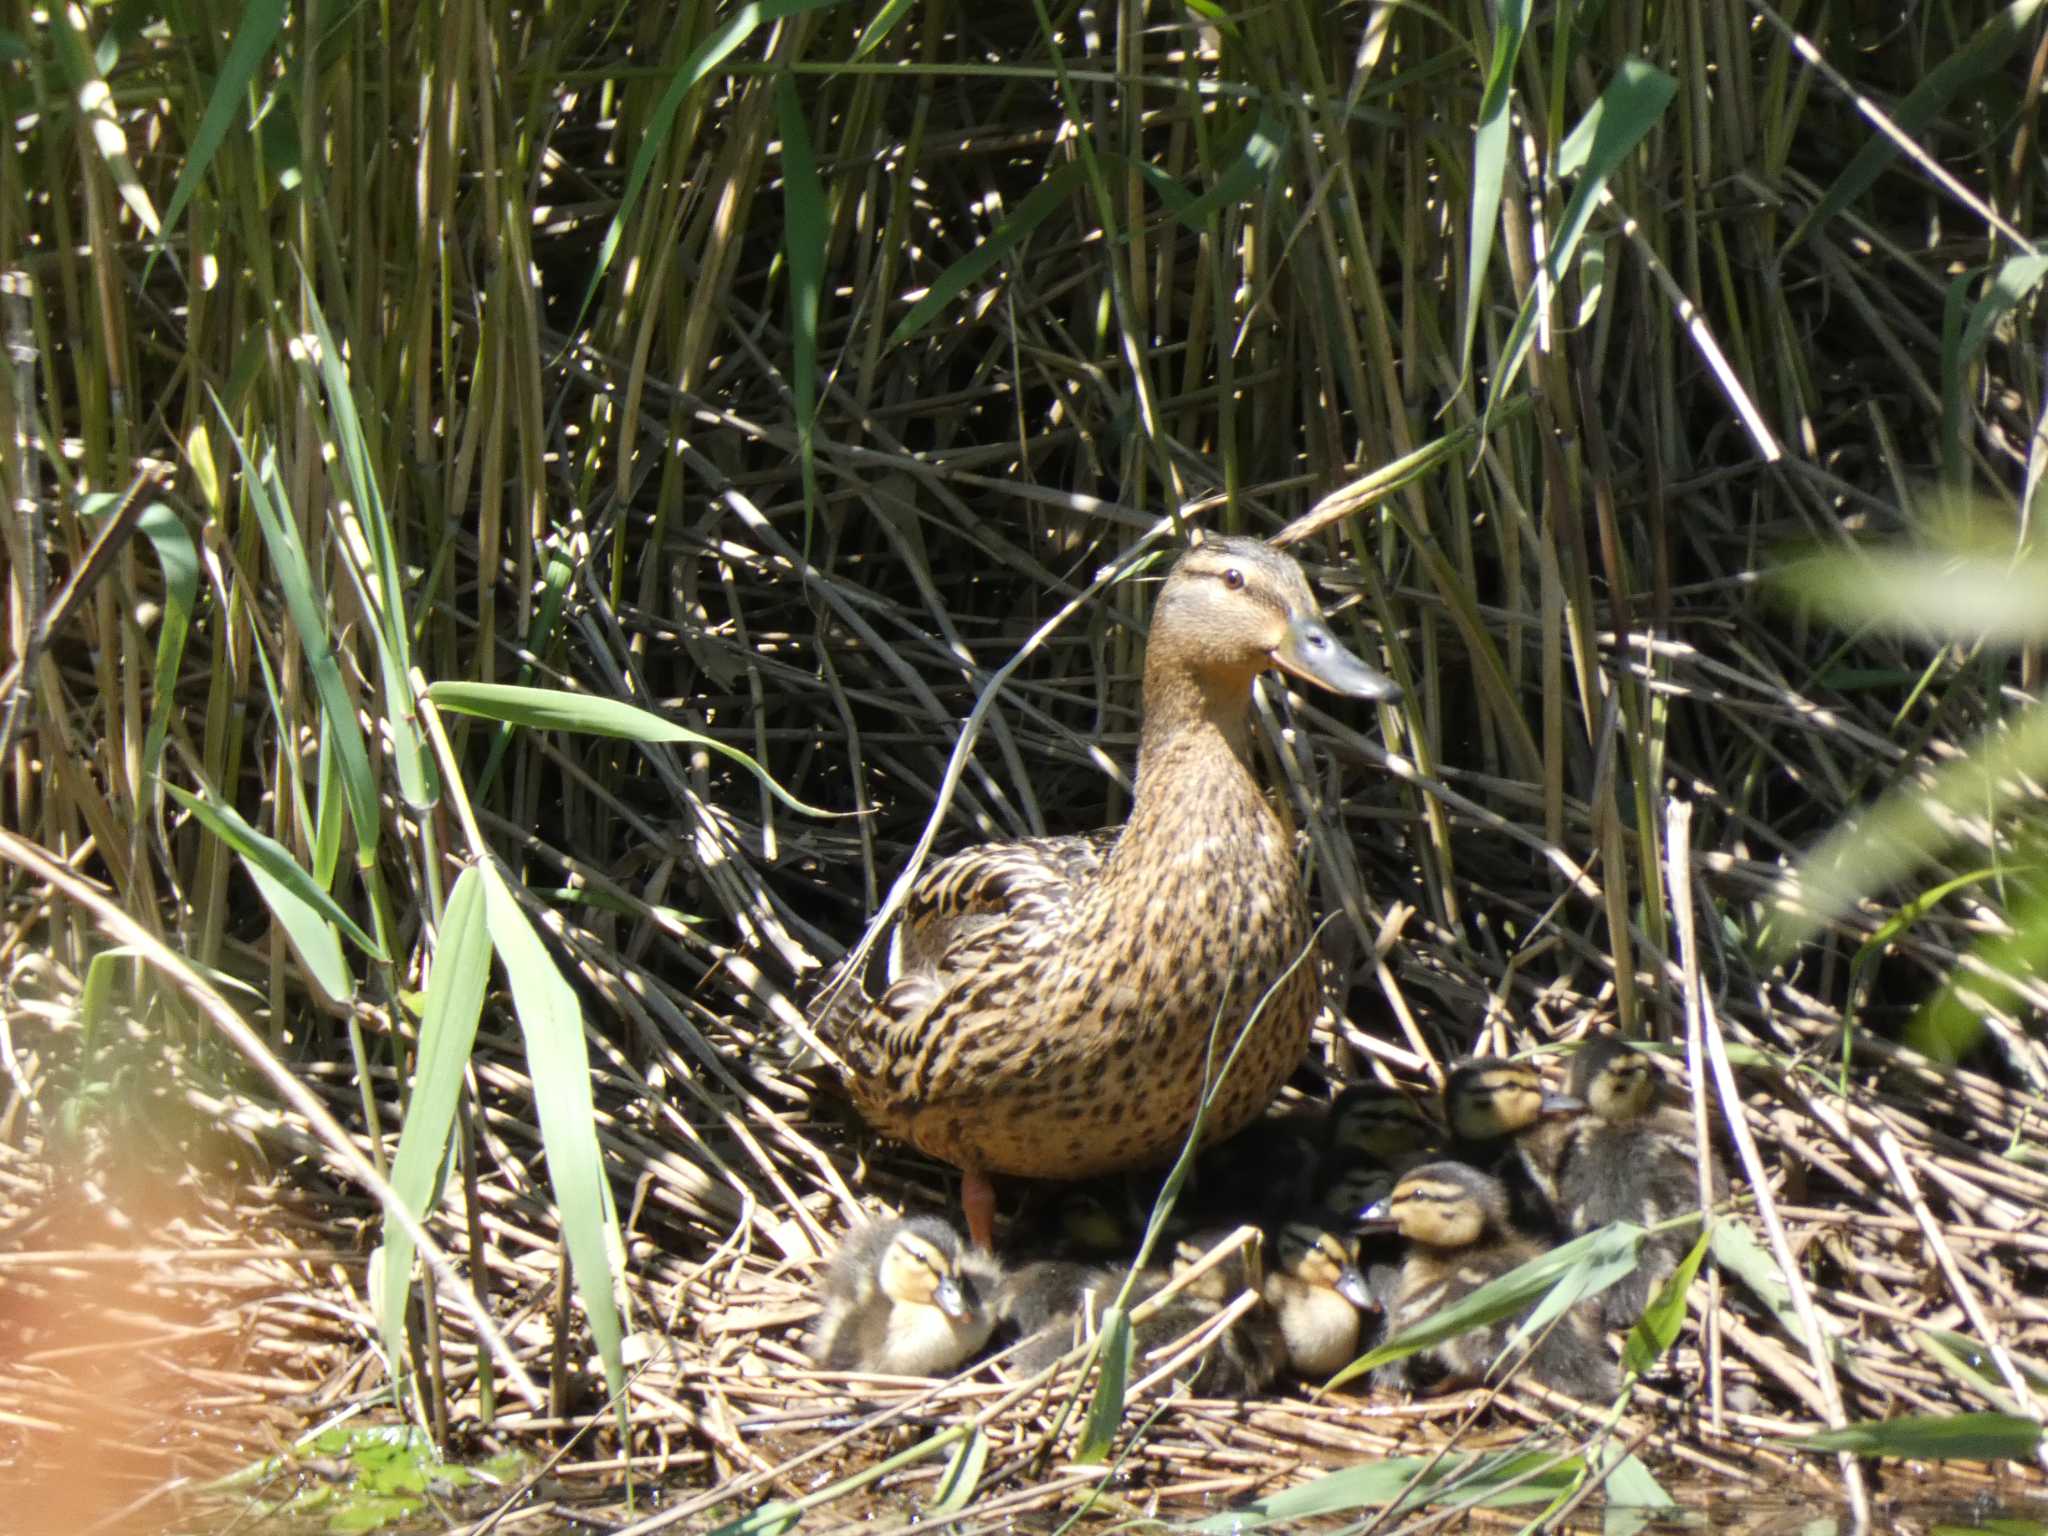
[[926, 1256]]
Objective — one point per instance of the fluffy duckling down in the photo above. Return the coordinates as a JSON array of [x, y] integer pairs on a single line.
[[905, 1298], [1317, 1297], [1504, 1120], [1628, 1159], [1455, 1221], [1247, 1356]]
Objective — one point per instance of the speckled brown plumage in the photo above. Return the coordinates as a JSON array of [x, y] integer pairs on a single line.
[[1052, 1008]]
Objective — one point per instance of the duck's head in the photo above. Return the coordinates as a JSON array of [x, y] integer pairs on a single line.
[[1444, 1205], [1615, 1081], [1487, 1098], [1242, 1269], [1321, 1258], [1352, 1185], [1232, 607], [1088, 1225], [1381, 1122], [921, 1267]]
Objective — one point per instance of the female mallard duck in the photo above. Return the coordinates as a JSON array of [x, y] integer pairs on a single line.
[[1316, 1295], [1053, 1000], [1504, 1121], [1455, 1222], [1630, 1160], [905, 1298]]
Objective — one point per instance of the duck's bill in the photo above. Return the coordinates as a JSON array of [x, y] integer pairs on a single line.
[[1311, 653], [950, 1300], [1352, 1287], [1560, 1104], [1377, 1217]]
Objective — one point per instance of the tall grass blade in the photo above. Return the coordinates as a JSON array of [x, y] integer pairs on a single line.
[[1106, 1407], [266, 857], [1657, 1329], [803, 242], [552, 710], [177, 558], [308, 612], [1977, 60], [1634, 1496], [1246, 171], [1557, 1279], [87, 67], [1610, 131], [703, 59], [1490, 142], [455, 999], [1035, 209], [962, 1476], [1933, 1437], [1908, 826], [383, 588], [551, 1024], [1490, 1479], [255, 32]]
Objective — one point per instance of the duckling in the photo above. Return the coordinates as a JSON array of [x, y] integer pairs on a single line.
[[1630, 1160], [1095, 1221], [1381, 1122], [1052, 1305], [1246, 1357], [1351, 1188], [1270, 1164], [1052, 1002], [905, 1298], [1504, 1121], [1456, 1223], [1316, 1294]]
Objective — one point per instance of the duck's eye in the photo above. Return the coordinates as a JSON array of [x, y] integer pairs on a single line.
[[1233, 578]]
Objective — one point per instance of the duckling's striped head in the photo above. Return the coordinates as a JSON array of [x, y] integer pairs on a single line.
[[1487, 1098], [921, 1268], [1381, 1122], [1615, 1080], [1447, 1205], [1353, 1186], [1321, 1258], [1231, 607], [1088, 1225]]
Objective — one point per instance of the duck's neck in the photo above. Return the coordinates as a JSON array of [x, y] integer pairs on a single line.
[[1197, 797], [1192, 731]]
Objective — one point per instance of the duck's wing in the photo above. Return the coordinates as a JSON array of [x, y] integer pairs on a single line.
[[999, 897], [1024, 885]]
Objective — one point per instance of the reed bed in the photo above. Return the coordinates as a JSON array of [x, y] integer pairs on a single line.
[[788, 375]]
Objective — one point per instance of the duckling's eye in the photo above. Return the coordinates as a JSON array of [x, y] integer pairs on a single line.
[[1233, 578]]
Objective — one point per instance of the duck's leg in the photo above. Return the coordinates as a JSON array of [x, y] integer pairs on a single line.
[[978, 1205]]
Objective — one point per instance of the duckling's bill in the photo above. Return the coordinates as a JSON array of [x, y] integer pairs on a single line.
[[951, 1300], [1352, 1286]]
